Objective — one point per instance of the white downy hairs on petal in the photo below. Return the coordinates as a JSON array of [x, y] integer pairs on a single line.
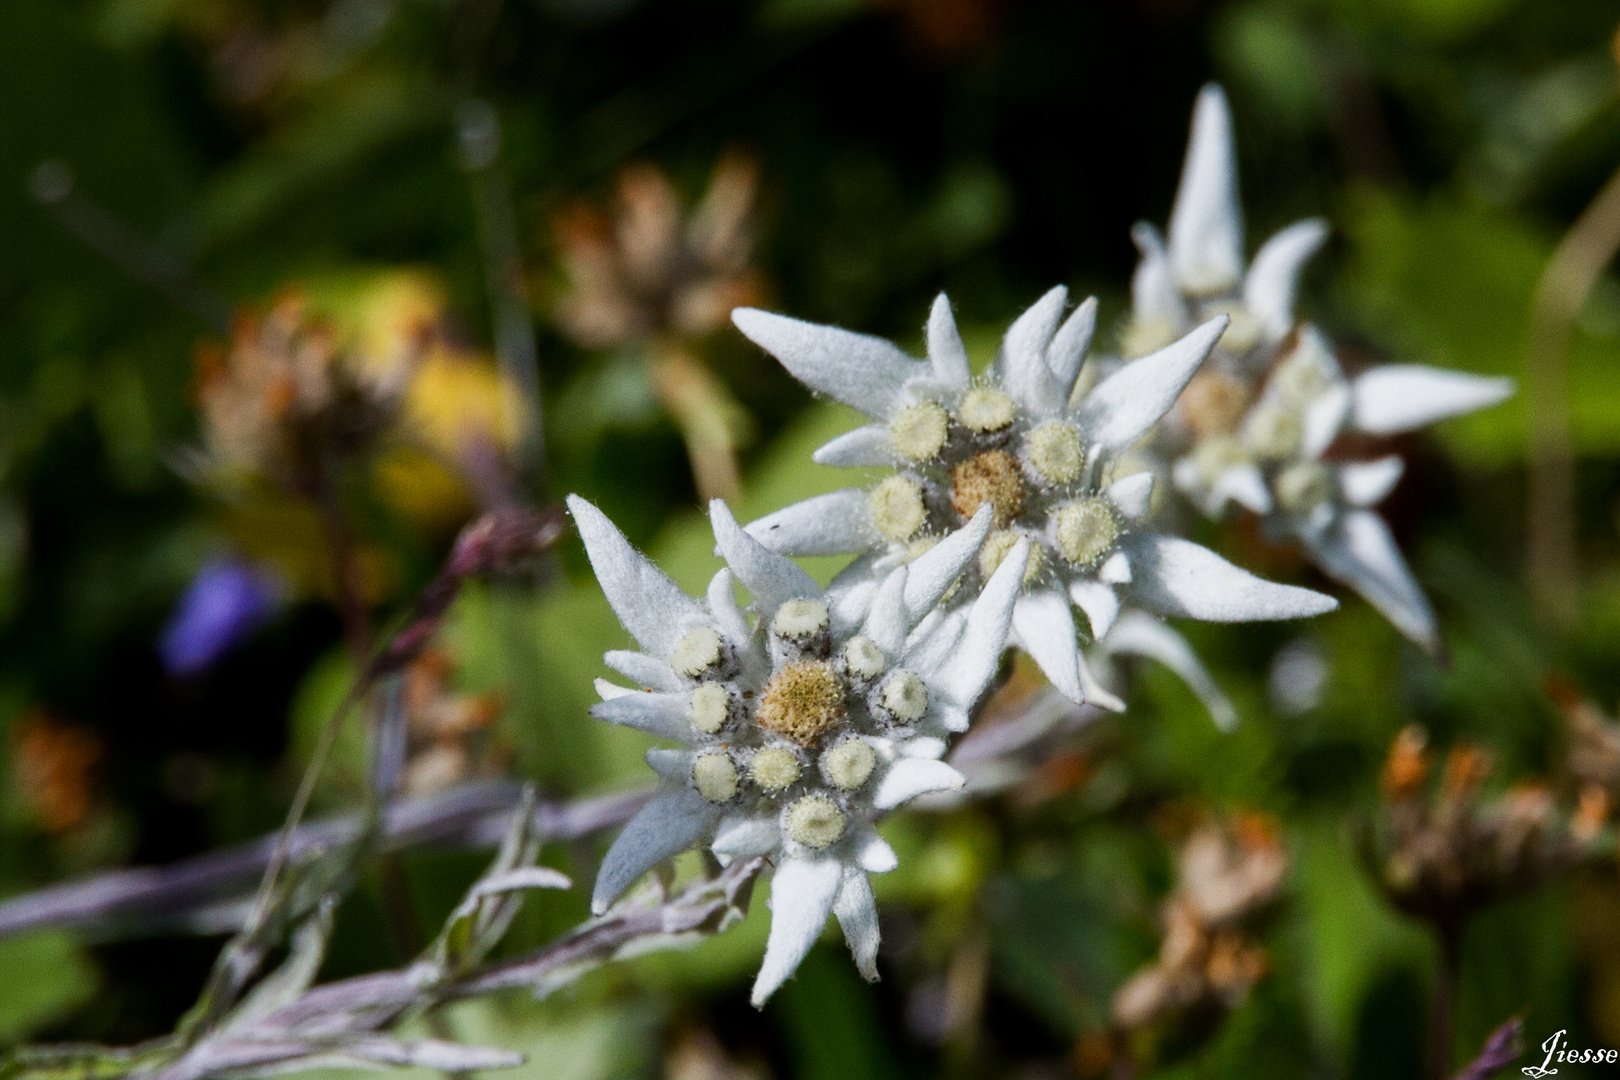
[[908, 778], [1403, 397], [833, 524], [1178, 577], [770, 578], [858, 918], [802, 896], [866, 373], [946, 353], [1022, 361], [1273, 279], [1043, 627], [1140, 634], [666, 826], [1366, 483], [865, 446], [1121, 408], [649, 605], [1359, 551], [1206, 225]]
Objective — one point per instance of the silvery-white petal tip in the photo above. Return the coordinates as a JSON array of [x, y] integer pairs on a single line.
[[932, 573], [1273, 280], [946, 352], [1366, 483], [770, 578], [877, 857], [802, 896], [666, 826], [663, 715], [1121, 408], [1023, 350], [858, 918], [908, 778], [865, 446], [1068, 349], [1206, 223], [984, 635], [1403, 397], [649, 605], [1178, 577], [1360, 551], [1131, 495], [863, 372], [1044, 628], [1140, 634]]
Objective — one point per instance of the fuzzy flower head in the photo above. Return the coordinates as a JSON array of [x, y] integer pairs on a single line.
[[1275, 464], [1200, 272], [800, 720], [1025, 452]]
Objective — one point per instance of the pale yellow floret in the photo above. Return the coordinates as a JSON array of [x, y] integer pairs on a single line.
[[715, 776], [1303, 486], [905, 696], [695, 653], [800, 619], [802, 701], [864, 658], [1000, 545], [1244, 332], [711, 706], [1215, 456], [918, 431], [774, 768], [985, 409], [1213, 403], [1085, 530], [897, 508], [815, 821], [1274, 432], [1053, 450], [849, 764]]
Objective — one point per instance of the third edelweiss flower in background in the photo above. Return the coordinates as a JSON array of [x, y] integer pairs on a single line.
[[1031, 442], [1255, 427], [800, 727]]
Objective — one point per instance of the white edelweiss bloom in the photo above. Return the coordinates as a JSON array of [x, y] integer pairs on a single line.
[[1275, 466], [797, 726], [1016, 454], [1201, 271]]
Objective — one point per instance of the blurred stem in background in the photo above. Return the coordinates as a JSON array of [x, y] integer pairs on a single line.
[[1565, 284], [478, 132]]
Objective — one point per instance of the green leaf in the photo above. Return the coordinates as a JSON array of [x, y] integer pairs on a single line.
[[44, 975]]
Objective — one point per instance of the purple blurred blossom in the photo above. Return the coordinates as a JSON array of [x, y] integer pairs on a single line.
[[227, 600]]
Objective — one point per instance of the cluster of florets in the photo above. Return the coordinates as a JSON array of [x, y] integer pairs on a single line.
[[1011, 497], [1043, 441], [798, 727], [1258, 425]]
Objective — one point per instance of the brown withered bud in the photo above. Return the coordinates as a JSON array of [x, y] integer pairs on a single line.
[[1443, 854], [1228, 873]]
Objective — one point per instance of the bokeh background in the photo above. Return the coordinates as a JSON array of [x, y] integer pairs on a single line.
[[515, 170]]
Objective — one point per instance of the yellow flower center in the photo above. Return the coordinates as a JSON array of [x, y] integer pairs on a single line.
[[918, 431], [802, 701], [1054, 451], [849, 764], [1085, 530], [711, 707], [985, 409], [715, 776], [815, 821], [774, 768], [991, 477]]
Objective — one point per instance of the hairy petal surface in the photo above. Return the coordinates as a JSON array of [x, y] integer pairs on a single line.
[[1178, 577], [858, 917], [831, 524], [802, 896], [1401, 397], [666, 826], [1121, 408], [1140, 634], [866, 373], [1358, 550], [1273, 280], [651, 606], [1206, 224], [1044, 628]]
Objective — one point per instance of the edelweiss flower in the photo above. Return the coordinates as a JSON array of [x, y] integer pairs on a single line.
[[799, 728], [1274, 466], [1264, 450], [1025, 442]]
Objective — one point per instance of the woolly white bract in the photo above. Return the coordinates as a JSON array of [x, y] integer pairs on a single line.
[[799, 726], [1253, 428], [1030, 440]]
